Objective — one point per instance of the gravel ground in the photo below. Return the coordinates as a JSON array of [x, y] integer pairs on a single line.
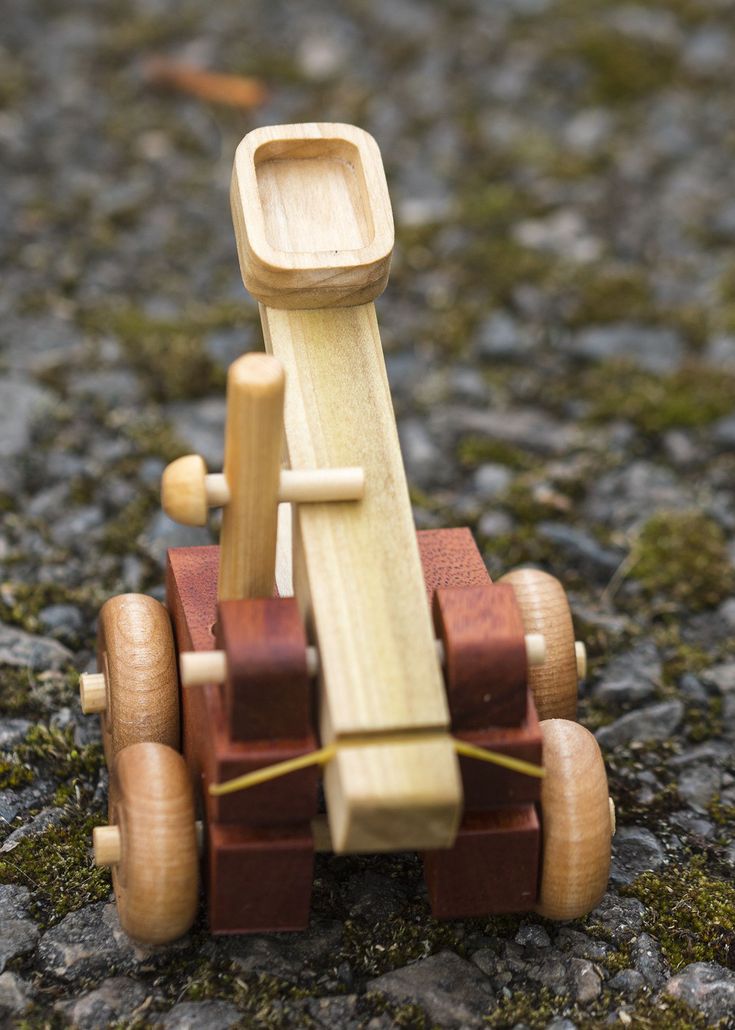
[[560, 337]]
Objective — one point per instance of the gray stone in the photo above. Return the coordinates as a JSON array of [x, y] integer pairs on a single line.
[[87, 944], [527, 428], [501, 336], [420, 454], [723, 431], [108, 386], [585, 981], [626, 497], [491, 480], [201, 1015], [632, 676], [46, 818], [656, 722], [114, 1001], [201, 427], [635, 850], [721, 676], [15, 995], [620, 918], [453, 992], [12, 731], [657, 350], [24, 650], [494, 523], [162, 533], [62, 620], [706, 987], [648, 960], [627, 984], [17, 937], [14, 901], [698, 785], [533, 934], [581, 546], [22, 404]]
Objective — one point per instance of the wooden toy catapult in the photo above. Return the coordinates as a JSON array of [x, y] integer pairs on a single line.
[[325, 640]]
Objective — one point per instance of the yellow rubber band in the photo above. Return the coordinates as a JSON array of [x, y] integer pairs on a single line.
[[326, 754]]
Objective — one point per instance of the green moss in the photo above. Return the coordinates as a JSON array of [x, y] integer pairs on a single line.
[[122, 533], [501, 265], [58, 868], [54, 749], [704, 723], [17, 694], [611, 295], [474, 450], [536, 1009], [13, 774], [682, 556], [622, 69], [690, 913], [687, 399]]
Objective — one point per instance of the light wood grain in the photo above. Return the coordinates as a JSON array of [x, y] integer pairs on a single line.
[[252, 468], [312, 216], [575, 821], [545, 610], [136, 655], [156, 877], [184, 496], [392, 796], [358, 577]]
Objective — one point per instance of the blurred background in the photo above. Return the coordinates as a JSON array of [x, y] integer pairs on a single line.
[[559, 330]]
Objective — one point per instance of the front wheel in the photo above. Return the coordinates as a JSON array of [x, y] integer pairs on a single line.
[[577, 822], [154, 854]]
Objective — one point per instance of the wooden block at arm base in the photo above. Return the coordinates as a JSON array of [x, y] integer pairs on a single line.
[[252, 469], [486, 667]]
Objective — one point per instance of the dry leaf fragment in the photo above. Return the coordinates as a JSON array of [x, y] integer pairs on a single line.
[[235, 90]]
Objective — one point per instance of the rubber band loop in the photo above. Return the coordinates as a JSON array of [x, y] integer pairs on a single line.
[[326, 754]]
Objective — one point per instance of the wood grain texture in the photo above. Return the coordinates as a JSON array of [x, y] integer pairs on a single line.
[[135, 652], [492, 868], [259, 881], [450, 557], [575, 822], [358, 579], [545, 609], [485, 666], [393, 796], [488, 786], [156, 881], [184, 490], [312, 215], [252, 469], [365, 594], [267, 692], [211, 754]]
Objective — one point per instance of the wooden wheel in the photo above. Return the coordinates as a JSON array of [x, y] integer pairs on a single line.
[[136, 656], [545, 609], [576, 822], [152, 843]]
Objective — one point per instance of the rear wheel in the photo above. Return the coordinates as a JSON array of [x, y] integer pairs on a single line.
[[545, 610], [136, 655]]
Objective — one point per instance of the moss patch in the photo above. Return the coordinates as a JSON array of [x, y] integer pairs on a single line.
[[686, 399], [621, 68], [682, 556], [691, 914]]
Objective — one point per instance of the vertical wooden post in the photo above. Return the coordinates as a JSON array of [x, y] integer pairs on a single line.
[[253, 448]]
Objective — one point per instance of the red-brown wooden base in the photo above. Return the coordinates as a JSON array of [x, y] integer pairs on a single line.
[[492, 868], [258, 881], [260, 852]]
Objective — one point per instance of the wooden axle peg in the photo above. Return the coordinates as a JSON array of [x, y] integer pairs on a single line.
[[199, 667], [93, 692], [580, 653], [107, 845], [188, 491]]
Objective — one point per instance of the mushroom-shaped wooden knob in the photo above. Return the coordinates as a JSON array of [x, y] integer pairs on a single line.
[[184, 490]]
